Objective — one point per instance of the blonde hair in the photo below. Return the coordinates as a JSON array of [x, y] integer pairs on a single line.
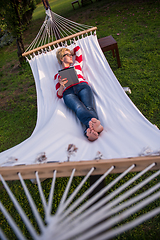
[[60, 52]]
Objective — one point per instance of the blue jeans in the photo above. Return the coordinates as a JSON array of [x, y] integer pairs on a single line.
[[80, 99]]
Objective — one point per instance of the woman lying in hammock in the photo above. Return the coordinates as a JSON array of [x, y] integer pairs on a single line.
[[79, 96]]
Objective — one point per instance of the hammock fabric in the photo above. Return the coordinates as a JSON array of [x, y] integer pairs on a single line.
[[127, 133]]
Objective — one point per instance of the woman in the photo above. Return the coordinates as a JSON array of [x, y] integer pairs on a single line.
[[79, 96]]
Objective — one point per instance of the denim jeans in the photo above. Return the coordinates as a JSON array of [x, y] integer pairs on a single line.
[[80, 99]]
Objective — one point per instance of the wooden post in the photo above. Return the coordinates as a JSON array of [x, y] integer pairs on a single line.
[[46, 4]]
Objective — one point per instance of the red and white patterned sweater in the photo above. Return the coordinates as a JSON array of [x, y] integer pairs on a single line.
[[78, 67]]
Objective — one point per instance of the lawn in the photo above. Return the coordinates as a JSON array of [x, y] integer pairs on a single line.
[[135, 25]]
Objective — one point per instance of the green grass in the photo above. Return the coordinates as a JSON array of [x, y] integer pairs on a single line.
[[59, 7], [136, 27]]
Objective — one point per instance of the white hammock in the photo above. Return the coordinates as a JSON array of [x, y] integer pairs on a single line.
[[127, 133]]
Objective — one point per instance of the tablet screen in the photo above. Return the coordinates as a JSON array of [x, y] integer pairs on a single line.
[[70, 74]]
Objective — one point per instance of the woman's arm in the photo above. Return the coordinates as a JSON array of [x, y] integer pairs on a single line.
[[78, 54], [62, 83], [59, 85]]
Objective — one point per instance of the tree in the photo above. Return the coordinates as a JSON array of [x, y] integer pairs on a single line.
[[17, 15]]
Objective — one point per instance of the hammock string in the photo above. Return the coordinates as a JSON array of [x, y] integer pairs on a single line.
[[57, 27]]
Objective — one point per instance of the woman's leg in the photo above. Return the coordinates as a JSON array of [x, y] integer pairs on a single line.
[[84, 111], [86, 96], [73, 102]]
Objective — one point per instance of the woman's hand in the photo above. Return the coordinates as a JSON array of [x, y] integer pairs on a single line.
[[62, 81], [72, 52], [62, 85]]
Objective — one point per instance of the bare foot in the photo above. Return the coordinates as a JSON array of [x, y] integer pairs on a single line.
[[92, 135], [95, 125]]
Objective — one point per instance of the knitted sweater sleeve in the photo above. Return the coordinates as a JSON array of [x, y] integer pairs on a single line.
[[57, 84], [78, 61], [78, 56]]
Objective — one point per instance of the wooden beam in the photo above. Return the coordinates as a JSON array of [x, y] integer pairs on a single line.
[[64, 169]]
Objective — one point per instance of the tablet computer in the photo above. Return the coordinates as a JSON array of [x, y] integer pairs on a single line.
[[70, 74]]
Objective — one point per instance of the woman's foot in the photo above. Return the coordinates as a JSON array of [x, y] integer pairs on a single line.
[[95, 125], [92, 135]]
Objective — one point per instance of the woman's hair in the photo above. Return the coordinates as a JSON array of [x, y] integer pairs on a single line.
[[60, 52]]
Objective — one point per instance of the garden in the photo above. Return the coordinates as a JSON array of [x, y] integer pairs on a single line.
[[135, 25]]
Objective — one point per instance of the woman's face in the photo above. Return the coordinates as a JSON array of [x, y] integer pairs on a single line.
[[67, 57]]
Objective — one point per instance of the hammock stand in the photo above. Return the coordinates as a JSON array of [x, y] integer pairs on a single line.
[[83, 222], [64, 169]]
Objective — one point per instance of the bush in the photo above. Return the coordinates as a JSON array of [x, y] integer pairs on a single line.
[[6, 39], [38, 1]]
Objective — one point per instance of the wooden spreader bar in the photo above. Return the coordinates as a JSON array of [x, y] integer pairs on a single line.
[[82, 167], [59, 41]]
